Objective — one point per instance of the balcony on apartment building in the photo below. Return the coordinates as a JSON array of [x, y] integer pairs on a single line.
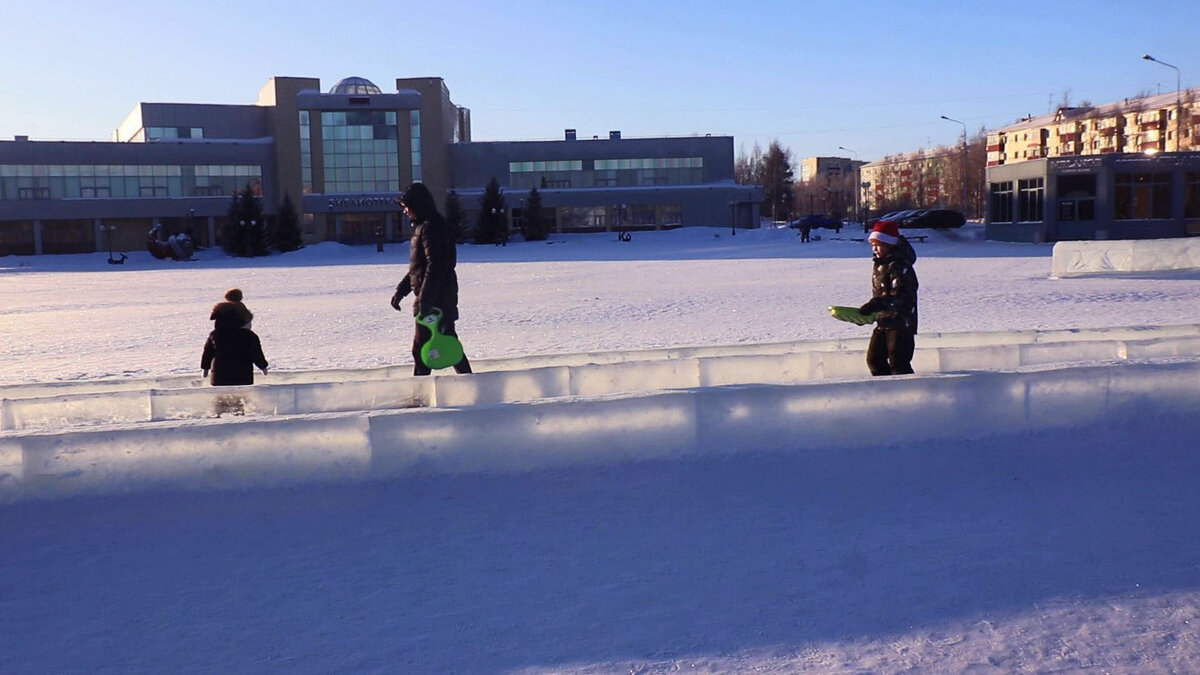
[[1070, 148]]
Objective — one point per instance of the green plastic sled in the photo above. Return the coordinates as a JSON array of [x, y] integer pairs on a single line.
[[851, 315], [441, 351]]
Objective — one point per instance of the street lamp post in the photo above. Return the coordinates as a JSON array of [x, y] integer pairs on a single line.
[[1178, 103], [857, 180], [964, 162]]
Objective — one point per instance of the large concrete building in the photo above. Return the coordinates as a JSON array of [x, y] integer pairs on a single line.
[[342, 156], [1123, 170]]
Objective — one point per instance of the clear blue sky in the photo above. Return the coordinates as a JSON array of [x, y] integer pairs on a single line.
[[872, 76]]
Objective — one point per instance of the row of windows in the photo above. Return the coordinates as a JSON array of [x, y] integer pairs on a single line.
[[364, 133], [607, 178], [388, 145], [355, 118], [361, 160], [120, 187], [144, 170], [553, 165], [153, 133], [1136, 196], [607, 164], [357, 186], [367, 173], [599, 217], [651, 163]]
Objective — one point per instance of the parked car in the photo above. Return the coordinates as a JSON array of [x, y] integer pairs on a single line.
[[908, 217], [815, 220], [937, 219], [893, 216]]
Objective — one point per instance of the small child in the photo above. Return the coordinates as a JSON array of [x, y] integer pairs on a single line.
[[232, 349], [894, 297]]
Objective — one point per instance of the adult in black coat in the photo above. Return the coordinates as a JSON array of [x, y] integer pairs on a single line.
[[232, 349], [894, 297], [431, 277]]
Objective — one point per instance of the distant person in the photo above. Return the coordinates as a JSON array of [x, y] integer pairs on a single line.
[[431, 277], [379, 239], [894, 298], [232, 349], [805, 230]]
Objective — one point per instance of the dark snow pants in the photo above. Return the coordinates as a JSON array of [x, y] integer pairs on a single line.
[[890, 352]]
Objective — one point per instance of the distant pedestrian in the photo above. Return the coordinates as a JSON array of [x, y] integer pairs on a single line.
[[431, 277], [379, 239], [805, 229], [232, 349], [894, 301]]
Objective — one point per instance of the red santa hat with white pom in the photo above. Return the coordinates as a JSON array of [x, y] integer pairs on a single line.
[[885, 231]]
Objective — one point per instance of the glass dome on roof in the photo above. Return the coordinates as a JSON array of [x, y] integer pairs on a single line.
[[355, 86]]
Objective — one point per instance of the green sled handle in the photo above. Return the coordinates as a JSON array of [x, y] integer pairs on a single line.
[[852, 315], [441, 351]]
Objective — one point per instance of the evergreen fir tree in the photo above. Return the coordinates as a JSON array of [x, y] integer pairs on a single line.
[[535, 220], [455, 216], [287, 227], [244, 234], [492, 228]]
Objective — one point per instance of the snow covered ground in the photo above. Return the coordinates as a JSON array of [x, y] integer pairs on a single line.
[[1030, 550]]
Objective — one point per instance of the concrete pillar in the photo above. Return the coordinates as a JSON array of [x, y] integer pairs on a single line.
[[37, 237], [98, 229]]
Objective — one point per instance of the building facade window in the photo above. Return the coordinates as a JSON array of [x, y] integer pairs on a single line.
[[632, 172], [1191, 186], [583, 218], [155, 133], [1000, 203], [1078, 198], [414, 128], [1142, 196], [360, 150], [306, 181], [642, 215], [120, 181], [672, 214], [1030, 194]]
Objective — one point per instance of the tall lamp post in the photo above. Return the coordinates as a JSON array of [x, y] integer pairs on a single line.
[[964, 162], [1178, 103], [857, 180]]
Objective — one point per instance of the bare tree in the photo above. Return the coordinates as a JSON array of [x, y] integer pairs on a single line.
[[747, 169]]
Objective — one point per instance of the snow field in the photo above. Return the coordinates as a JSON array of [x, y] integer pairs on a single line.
[[1040, 519]]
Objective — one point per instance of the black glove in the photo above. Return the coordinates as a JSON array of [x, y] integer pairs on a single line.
[[396, 298], [873, 305]]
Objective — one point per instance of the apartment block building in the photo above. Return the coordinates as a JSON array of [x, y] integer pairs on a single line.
[[909, 180], [1160, 123], [1123, 170]]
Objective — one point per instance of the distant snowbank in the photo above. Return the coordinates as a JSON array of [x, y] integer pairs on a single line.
[[1078, 258]]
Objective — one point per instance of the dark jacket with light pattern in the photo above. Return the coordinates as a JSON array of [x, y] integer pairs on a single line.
[[894, 289]]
